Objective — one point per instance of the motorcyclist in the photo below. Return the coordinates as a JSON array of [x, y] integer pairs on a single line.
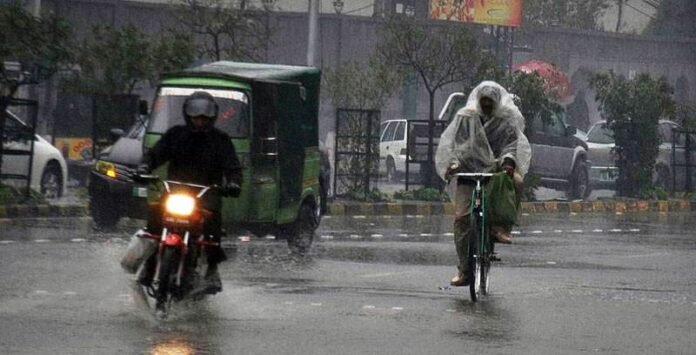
[[485, 136], [197, 153]]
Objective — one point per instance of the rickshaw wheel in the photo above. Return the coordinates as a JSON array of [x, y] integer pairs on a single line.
[[301, 233]]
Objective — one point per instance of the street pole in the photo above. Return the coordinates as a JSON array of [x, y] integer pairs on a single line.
[[313, 32]]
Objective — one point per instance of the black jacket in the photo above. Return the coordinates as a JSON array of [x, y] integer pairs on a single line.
[[196, 157]]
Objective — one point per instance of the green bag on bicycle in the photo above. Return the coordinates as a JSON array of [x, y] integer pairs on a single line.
[[501, 200]]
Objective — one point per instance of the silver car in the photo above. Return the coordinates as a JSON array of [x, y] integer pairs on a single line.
[[603, 173]]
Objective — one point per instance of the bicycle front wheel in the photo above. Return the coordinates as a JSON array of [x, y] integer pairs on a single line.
[[475, 265]]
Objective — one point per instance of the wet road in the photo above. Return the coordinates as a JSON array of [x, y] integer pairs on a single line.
[[571, 285]]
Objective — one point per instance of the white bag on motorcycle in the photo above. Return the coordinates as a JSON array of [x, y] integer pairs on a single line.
[[138, 250]]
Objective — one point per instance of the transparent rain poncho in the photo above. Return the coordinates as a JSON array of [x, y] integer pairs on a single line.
[[479, 143]]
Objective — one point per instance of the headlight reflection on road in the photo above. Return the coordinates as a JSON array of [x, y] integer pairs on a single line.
[[176, 346]]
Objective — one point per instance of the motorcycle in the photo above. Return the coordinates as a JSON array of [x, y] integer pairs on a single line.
[[180, 244]]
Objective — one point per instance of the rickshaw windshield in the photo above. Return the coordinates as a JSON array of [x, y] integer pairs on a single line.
[[233, 110]]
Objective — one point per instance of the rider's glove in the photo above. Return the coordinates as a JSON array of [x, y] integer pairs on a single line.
[[451, 170], [232, 189], [509, 166]]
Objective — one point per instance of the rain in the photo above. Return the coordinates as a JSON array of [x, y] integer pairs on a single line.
[[347, 176]]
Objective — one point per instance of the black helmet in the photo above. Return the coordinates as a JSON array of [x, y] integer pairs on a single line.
[[200, 103]]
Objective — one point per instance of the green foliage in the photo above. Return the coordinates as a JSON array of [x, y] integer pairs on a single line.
[[422, 194], [40, 45], [373, 195], [10, 195], [226, 30], [654, 193], [674, 18], [582, 14], [354, 86], [632, 109], [438, 55], [531, 96], [114, 61]]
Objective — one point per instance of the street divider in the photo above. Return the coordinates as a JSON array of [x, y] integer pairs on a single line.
[[350, 208]]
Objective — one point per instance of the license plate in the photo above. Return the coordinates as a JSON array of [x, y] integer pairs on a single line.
[[139, 191]]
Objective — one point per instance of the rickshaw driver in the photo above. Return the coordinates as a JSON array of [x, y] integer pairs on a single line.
[[198, 153]]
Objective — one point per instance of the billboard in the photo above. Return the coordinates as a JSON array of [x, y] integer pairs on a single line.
[[489, 12]]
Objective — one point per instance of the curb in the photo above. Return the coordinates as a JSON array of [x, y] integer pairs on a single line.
[[348, 208], [33, 211]]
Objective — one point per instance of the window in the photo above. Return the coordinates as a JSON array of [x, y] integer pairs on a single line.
[[383, 127], [556, 126], [389, 133], [600, 134], [400, 131], [233, 110]]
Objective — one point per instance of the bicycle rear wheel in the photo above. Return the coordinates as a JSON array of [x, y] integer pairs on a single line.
[[475, 271]]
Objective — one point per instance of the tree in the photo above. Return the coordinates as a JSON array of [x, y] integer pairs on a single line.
[[40, 46], [230, 30], [632, 109], [582, 14], [354, 86], [438, 54], [674, 18], [114, 61], [532, 98]]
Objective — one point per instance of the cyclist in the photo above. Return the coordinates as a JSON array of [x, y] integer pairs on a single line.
[[484, 136]]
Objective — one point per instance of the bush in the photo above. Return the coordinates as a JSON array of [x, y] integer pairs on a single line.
[[10, 195], [422, 194], [655, 193], [373, 195]]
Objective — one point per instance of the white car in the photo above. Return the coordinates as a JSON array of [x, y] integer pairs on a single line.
[[394, 146], [603, 173], [48, 171]]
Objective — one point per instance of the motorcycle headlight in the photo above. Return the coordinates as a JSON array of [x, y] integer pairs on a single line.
[[106, 168], [180, 204]]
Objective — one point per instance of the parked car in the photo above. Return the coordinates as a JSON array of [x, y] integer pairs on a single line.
[[48, 168], [600, 140], [395, 137], [559, 155], [110, 183]]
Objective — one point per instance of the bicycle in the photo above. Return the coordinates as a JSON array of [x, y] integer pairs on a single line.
[[480, 254]]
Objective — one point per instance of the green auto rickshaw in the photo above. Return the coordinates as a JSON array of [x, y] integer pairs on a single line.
[[271, 114]]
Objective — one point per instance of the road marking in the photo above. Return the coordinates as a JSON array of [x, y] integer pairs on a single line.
[[525, 214], [315, 304], [537, 232], [359, 217], [558, 231], [616, 230], [368, 306], [69, 293], [397, 308], [244, 238], [578, 230], [271, 237], [403, 235], [426, 234], [78, 240], [451, 310], [41, 292], [635, 230], [516, 232], [551, 262], [597, 230], [327, 237], [41, 241], [376, 236], [452, 234], [7, 241], [573, 214], [355, 236]]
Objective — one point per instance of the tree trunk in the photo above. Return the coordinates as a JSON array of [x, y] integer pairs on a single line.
[[428, 171], [618, 20]]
